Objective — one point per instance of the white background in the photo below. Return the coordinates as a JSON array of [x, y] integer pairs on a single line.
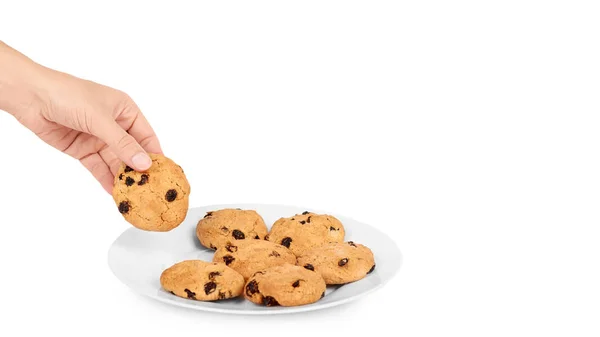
[[466, 130]]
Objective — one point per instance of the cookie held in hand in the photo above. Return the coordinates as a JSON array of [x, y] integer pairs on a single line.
[[155, 200]]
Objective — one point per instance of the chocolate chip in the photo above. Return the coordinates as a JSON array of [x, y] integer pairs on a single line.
[[143, 180], [128, 169], [351, 243], [343, 262], [228, 259], [213, 274], [252, 288], [302, 222], [121, 176], [225, 229], [257, 237], [129, 181], [213, 247], [210, 287], [309, 267], [267, 237], [332, 229], [231, 248], [296, 284], [171, 195], [238, 235], [286, 242], [208, 214], [371, 270], [124, 207], [308, 220], [190, 294], [222, 295], [305, 212], [275, 254], [270, 301]]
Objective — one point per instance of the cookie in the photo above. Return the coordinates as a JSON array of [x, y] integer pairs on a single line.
[[285, 285], [202, 281], [155, 200], [306, 231], [249, 256], [220, 227], [339, 263]]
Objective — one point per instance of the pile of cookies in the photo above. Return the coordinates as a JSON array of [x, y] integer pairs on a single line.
[[289, 265]]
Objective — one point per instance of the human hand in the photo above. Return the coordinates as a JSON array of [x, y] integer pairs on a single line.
[[95, 124]]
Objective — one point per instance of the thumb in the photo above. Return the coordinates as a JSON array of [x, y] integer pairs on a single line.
[[125, 147]]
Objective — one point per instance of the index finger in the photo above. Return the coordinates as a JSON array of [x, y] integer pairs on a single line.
[[135, 123]]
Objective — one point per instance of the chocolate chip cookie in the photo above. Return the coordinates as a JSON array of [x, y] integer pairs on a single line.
[[155, 200], [249, 256], [228, 226], [285, 285], [339, 263], [306, 231], [202, 281]]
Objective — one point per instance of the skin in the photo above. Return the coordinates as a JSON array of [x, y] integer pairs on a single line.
[[99, 126]]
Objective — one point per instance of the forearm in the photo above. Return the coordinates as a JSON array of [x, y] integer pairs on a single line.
[[19, 78]]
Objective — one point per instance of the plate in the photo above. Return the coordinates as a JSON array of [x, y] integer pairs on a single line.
[[137, 258]]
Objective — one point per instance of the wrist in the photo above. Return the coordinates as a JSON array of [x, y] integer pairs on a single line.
[[19, 83]]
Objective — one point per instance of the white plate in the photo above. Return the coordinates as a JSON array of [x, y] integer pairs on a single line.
[[137, 258]]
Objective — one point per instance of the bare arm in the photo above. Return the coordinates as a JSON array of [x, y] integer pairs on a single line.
[[95, 124]]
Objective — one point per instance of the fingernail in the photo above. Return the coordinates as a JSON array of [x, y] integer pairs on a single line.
[[141, 161]]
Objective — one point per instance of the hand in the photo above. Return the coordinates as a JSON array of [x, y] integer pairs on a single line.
[[97, 125]]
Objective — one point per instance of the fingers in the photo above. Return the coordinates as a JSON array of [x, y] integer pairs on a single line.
[[82, 145], [124, 145], [134, 138], [111, 160], [140, 129], [98, 168]]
